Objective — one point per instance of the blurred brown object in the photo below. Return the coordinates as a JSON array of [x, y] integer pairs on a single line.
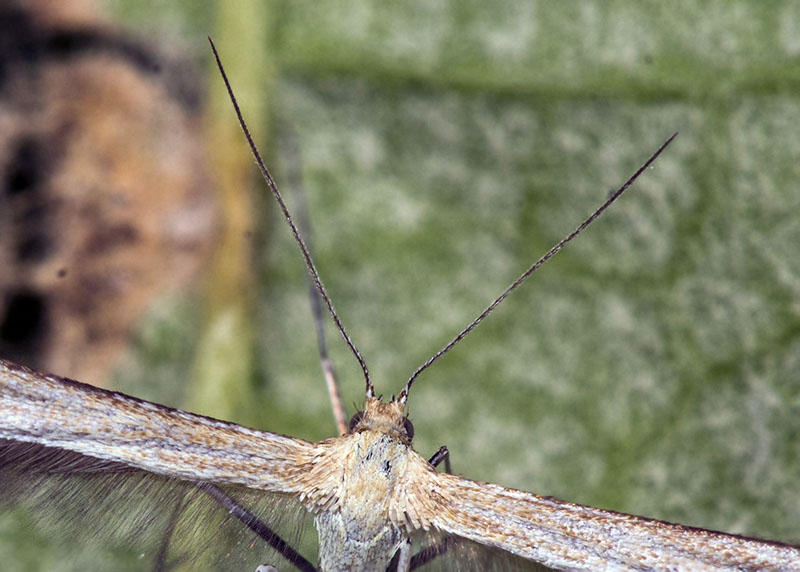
[[105, 196]]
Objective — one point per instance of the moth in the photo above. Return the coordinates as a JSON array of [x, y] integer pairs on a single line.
[[371, 494]]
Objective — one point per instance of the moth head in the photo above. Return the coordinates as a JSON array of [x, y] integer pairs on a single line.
[[387, 418]]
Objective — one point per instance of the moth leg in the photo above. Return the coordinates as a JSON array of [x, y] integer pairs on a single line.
[[161, 563], [401, 561], [255, 524], [443, 454], [404, 557], [430, 553], [295, 179]]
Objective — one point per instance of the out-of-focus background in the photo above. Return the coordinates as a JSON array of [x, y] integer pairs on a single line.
[[651, 368]]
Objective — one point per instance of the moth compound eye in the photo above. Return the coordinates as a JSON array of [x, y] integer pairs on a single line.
[[408, 427], [356, 419]]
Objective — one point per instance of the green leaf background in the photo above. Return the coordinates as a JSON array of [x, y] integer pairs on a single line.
[[652, 367]]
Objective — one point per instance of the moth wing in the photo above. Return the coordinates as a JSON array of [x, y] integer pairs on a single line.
[[86, 513], [102, 472], [566, 535], [65, 414]]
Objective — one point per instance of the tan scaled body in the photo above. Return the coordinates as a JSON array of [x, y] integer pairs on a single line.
[[364, 520]]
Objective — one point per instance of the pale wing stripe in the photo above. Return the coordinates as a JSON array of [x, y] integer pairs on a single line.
[[566, 535], [57, 412]]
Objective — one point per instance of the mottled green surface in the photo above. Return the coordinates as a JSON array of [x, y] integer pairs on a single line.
[[653, 367]]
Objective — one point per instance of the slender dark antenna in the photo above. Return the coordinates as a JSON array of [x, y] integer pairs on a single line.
[[295, 179], [403, 397], [288, 217]]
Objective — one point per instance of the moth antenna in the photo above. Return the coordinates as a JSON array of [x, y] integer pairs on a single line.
[[288, 217], [295, 178], [403, 397]]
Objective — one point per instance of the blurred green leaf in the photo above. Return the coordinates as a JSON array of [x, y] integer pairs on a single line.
[[652, 367]]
